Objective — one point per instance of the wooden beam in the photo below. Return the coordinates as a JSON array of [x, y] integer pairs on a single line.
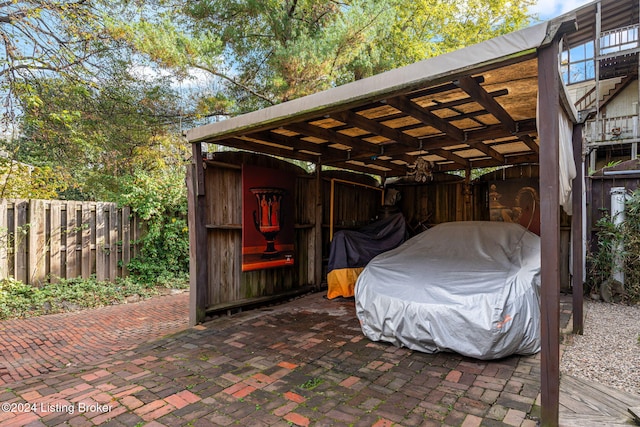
[[404, 104], [451, 156], [479, 135], [198, 268], [402, 138], [329, 154], [462, 101], [454, 133], [487, 163], [489, 103], [243, 144], [390, 168], [481, 96], [296, 143], [577, 227], [335, 137], [358, 121], [361, 150], [438, 106], [549, 99]]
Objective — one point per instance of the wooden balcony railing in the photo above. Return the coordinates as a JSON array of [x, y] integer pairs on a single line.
[[612, 130]]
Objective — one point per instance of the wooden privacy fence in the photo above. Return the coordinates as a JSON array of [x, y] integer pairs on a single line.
[[44, 240]]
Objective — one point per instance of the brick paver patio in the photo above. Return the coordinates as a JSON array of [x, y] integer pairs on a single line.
[[301, 363], [37, 345]]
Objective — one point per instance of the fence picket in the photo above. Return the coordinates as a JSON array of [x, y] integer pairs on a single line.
[[20, 230], [85, 253], [101, 254], [71, 233], [4, 241], [126, 239], [55, 239], [37, 242], [114, 224]]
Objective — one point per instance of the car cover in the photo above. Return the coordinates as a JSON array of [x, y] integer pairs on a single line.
[[467, 287], [351, 250]]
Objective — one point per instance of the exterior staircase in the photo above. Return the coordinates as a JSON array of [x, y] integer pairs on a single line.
[[608, 91]]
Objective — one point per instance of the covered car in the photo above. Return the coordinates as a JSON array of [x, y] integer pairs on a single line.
[[470, 287]]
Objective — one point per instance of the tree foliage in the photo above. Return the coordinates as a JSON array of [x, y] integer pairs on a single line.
[[47, 37], [98, 135], [264, 52], [617, 250]]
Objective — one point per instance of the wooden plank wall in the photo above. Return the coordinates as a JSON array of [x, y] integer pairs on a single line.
[[356, 202], [45, 240], [223, 189], [431, 203]]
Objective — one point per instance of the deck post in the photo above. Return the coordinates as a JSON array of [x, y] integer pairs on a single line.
[[198, 273], [577, 226], [317, 277], [548, 133]]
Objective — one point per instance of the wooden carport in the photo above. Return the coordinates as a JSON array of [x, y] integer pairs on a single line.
[[473, 108]]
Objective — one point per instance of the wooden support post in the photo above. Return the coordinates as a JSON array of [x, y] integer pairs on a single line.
[[577, 226], [331, 208], [198, 273], [548, 124], [317, 277]]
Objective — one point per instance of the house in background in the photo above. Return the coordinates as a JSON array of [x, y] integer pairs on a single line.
[[599, 65]]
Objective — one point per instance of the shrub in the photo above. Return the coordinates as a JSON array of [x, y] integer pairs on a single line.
[[620, 241], [20, 300], [160, 200]]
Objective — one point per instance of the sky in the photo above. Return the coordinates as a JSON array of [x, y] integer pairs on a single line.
[[547, 9]]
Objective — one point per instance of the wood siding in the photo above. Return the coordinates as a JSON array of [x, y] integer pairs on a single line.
[[44, 240], [228, 285]]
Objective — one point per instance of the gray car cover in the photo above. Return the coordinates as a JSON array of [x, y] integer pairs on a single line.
[[467, 287]]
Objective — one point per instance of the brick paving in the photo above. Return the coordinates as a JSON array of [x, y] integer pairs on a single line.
[[37, 345], [302, 363]]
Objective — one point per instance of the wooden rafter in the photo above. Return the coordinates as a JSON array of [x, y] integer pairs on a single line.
[[243, 144], [488, 102], [398, 136], [425, 116], [403, 103], [335, 137]]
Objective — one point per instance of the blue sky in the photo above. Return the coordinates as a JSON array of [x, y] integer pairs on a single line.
[[547, 9]]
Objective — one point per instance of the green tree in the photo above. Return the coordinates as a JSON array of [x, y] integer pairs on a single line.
[[422, 29], [263, 52], [62, 38], [100, 134]]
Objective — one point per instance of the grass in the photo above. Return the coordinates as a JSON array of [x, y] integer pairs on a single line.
[[21, 300], [311, 383]]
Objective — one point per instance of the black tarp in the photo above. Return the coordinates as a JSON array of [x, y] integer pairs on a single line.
[[355, 248]]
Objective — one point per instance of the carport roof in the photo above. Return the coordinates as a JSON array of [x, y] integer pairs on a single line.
[[475, 107]]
